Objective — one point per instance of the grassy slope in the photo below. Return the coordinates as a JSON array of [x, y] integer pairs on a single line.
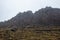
[[31, 33]]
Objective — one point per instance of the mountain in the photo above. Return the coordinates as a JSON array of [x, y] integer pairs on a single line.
[[48, 16], [45, 16]]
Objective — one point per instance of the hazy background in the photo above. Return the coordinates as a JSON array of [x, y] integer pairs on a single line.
[[9, 8]]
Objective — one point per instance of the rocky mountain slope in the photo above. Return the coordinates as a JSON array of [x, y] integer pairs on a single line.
[[44, 24], [45, 16]]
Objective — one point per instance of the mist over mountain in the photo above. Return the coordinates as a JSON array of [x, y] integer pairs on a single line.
[[44, 16]]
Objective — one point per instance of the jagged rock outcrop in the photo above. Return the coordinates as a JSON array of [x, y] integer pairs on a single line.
[[44, 16]]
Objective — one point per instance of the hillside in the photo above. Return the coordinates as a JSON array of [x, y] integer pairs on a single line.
[[44, 16], [44, 24], [30, 33]]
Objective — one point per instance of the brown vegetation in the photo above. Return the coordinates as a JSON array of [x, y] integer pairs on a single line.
[[30, 33]]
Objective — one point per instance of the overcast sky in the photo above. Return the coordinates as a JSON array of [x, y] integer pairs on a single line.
[[9, 8]]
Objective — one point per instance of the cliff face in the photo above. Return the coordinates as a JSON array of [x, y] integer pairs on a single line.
[[44, 16]]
